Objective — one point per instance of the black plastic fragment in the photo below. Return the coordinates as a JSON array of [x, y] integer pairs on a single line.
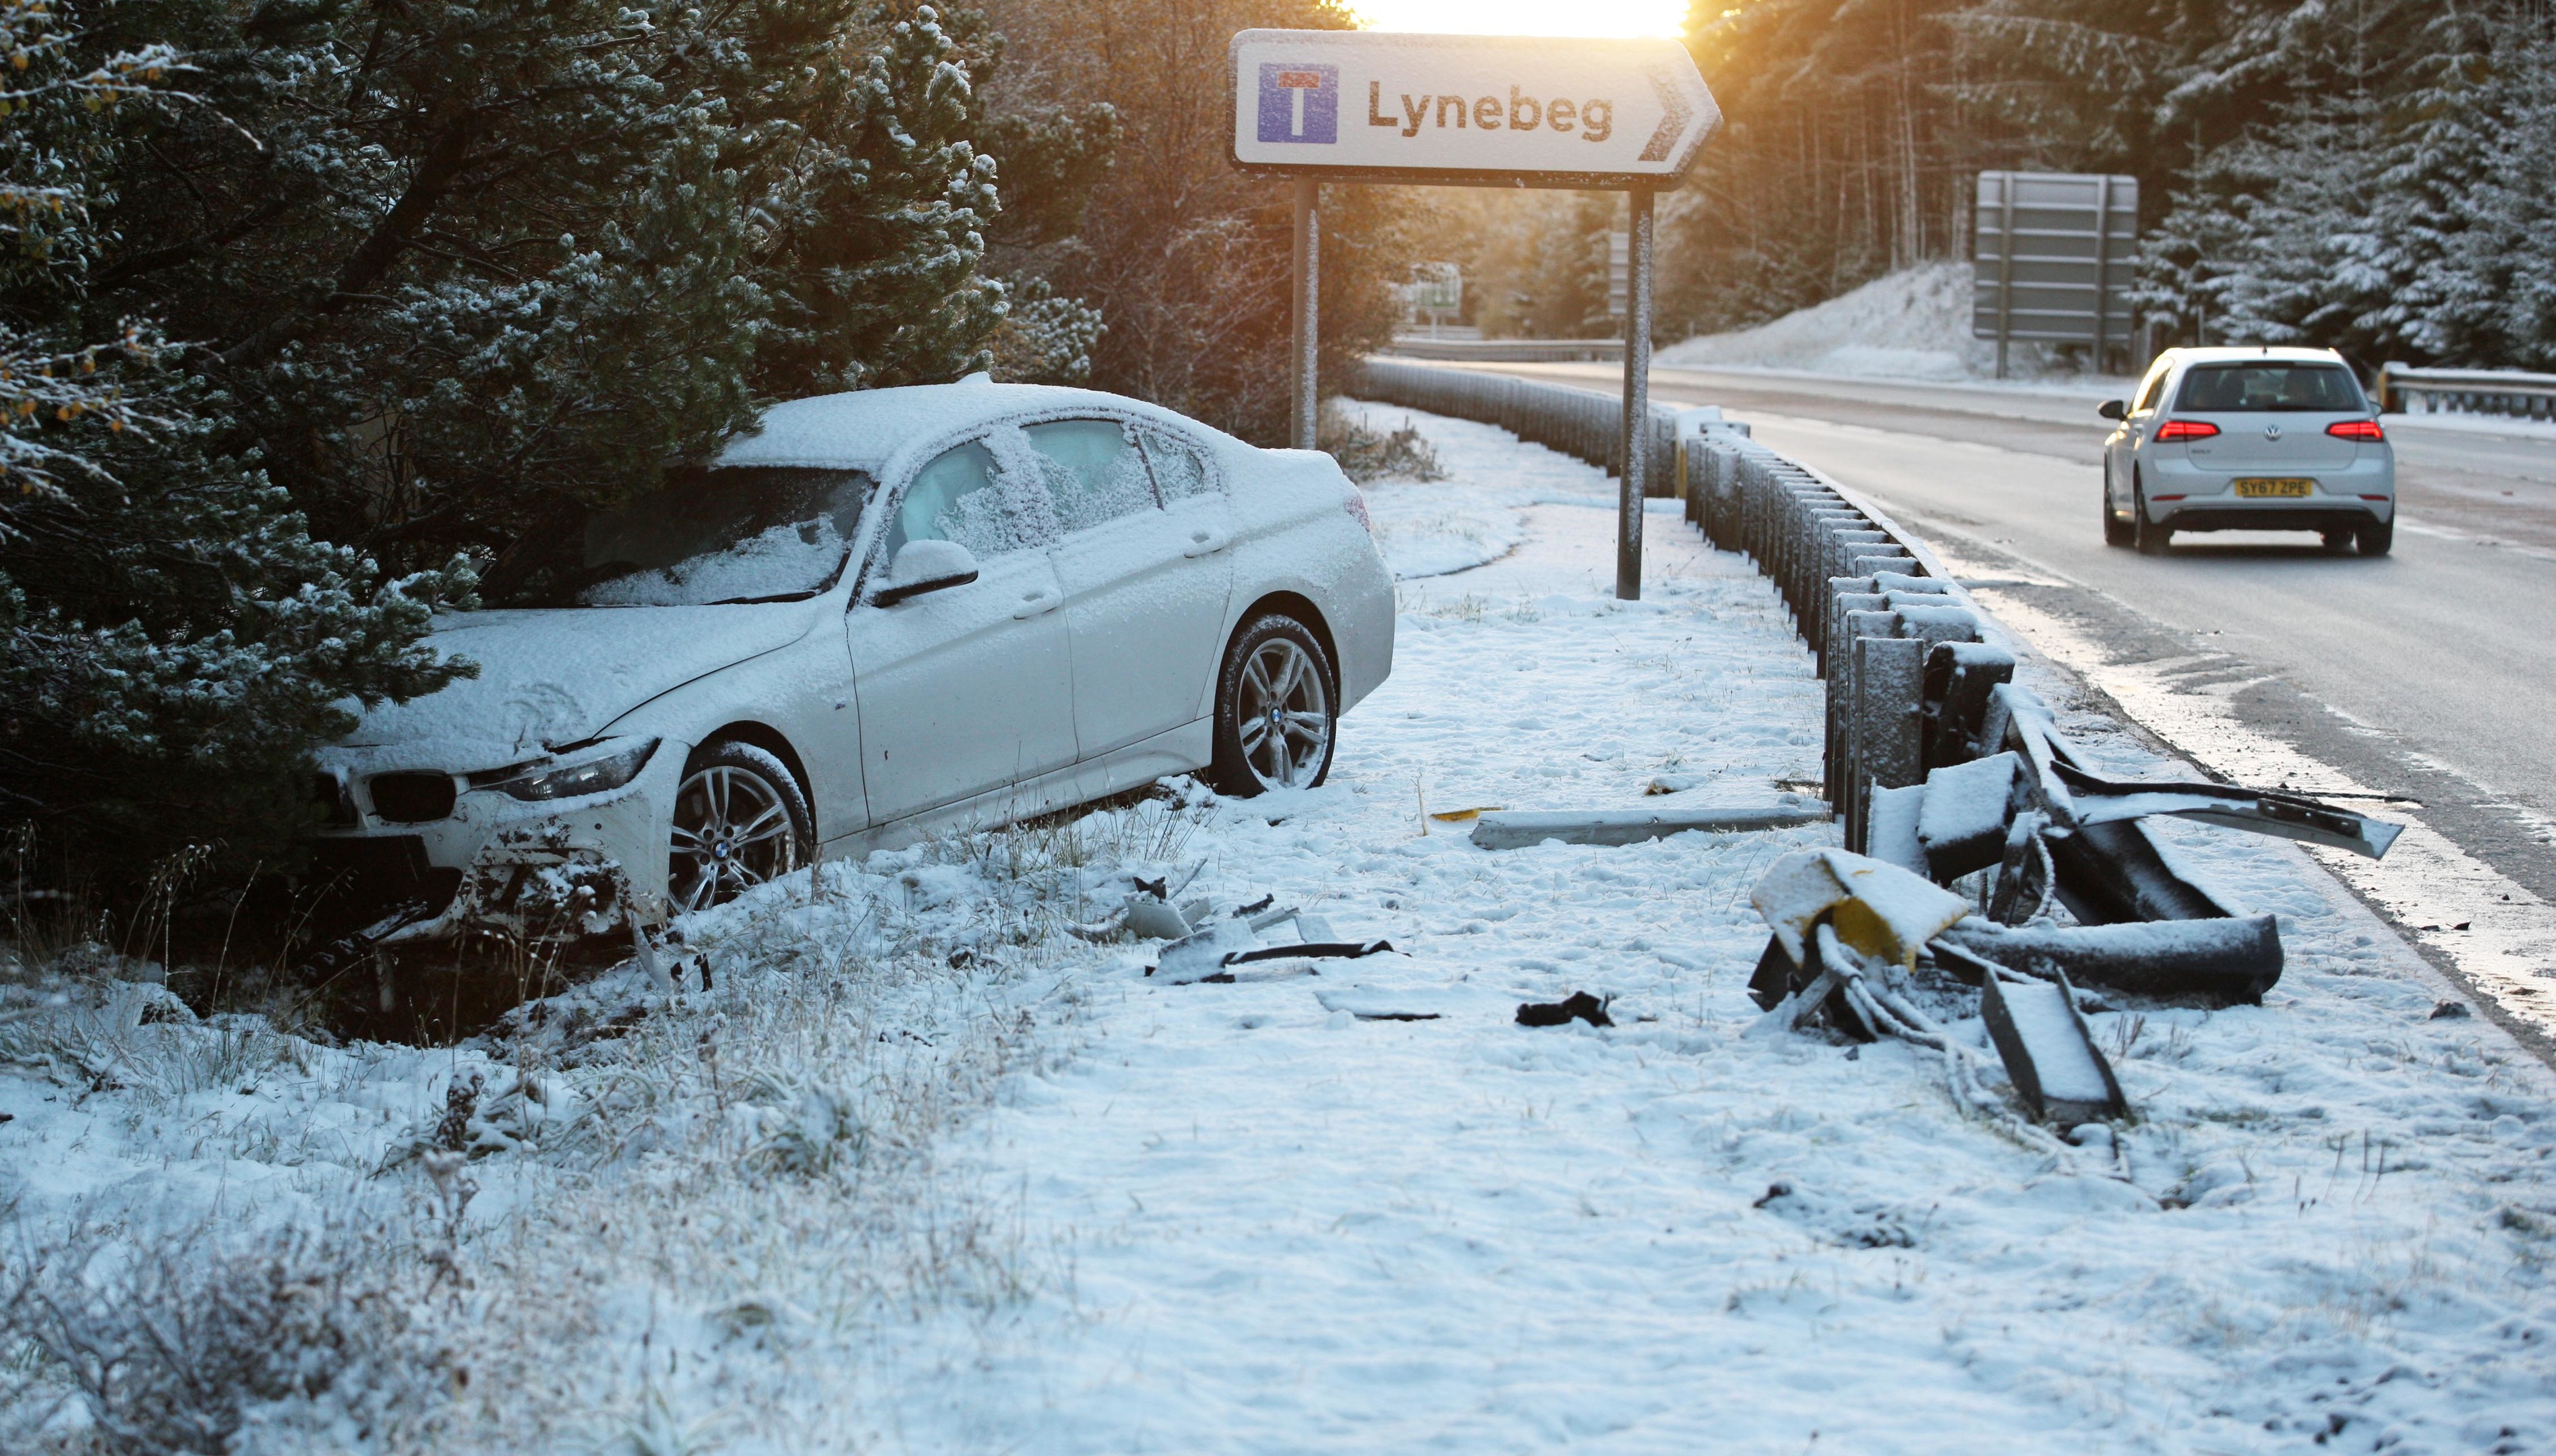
[[1578, 1006], [1313, 950]]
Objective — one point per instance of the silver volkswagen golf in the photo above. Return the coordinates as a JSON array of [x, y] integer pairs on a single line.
[[2248, 439], [880, 614]]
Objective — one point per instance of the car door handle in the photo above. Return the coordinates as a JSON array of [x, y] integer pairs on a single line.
[[1036, 601], [1207, 540]]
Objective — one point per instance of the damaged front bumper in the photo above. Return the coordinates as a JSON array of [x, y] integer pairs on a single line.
[[553, 871]]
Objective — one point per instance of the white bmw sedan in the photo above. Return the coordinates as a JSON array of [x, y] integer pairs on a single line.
[[881, 614]]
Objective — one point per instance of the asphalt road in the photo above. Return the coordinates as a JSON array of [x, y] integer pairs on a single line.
[[2429, 673]]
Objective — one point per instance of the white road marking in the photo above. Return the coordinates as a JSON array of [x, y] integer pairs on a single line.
[[2496, 932]]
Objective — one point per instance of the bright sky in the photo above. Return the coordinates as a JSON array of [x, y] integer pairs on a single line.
[[1525, 16]]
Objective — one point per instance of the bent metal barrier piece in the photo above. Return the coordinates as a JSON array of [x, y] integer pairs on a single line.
[[2048, 1051], [1518, 830], [2228, 961]]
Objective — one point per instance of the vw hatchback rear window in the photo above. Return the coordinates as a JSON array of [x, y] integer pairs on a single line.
[[2304, 387]]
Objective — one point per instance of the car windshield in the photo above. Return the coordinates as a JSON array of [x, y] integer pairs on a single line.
[[708, 538], [2308, 388]]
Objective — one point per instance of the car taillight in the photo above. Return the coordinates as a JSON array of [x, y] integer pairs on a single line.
[[2366, 429], [2185, 429], [1356, 507]]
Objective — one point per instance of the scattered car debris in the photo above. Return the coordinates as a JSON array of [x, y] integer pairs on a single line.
[[1154, 919], [1578, 1006], [1202, 954], [2450, 1010], [1513, 829], [1464, 816]]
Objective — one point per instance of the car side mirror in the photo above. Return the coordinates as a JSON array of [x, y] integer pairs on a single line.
[[2113, 409], [925, 566]]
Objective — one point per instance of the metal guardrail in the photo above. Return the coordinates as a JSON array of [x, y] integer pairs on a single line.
[[1580, 424], [1508, 351], [2412, 391], [1920, 701]]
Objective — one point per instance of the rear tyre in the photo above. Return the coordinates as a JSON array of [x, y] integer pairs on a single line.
[[2116, 531], [1277, 709], [2377, 537], [739, 821], [2339, 540], [2150, 537]]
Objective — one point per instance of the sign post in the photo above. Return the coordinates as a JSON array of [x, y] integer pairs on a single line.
[[1499, 111]]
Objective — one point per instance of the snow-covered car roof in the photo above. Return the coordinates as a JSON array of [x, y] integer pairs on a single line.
[[2240, 353], [867, 428]]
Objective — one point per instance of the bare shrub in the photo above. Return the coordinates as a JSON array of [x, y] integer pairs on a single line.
[[289, 1340], [1366, 455]]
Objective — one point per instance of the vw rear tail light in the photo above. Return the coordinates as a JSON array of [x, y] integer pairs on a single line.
[[2361, 429], [2174, 429], [1357, 506]]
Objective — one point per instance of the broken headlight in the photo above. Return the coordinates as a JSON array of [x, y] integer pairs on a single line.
[[608, 768]]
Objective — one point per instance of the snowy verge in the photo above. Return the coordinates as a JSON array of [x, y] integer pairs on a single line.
[[1365, 1210]]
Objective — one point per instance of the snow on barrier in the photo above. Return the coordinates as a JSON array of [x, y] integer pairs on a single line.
[[1937, 763]]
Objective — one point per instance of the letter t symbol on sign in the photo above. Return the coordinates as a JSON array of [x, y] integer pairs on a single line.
[[1297, 83]]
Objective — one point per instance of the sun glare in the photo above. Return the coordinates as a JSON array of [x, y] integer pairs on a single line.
[[1521, 18]]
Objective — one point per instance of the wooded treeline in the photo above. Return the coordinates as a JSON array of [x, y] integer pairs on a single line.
[[2371, 175], [310, 311]]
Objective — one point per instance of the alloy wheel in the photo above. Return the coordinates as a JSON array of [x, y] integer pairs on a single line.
[[1282, 715], [731, 832]]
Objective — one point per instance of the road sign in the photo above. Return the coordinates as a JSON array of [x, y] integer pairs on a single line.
[[1492, 110], [1436, 288], [2055, 257]]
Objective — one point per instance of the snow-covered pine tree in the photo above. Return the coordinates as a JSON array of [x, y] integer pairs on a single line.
[[171, 641], [2343, 218], [2496, 303], [465, 269]]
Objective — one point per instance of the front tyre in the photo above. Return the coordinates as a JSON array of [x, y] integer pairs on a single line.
[[739, 821], [1277, 709], [2377, 539]]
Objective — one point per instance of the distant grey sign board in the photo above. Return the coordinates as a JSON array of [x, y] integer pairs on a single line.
[[2056, 251], [1479, 111]]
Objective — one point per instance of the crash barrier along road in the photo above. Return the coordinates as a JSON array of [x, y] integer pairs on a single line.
[[1941, 769], [1494, 111]]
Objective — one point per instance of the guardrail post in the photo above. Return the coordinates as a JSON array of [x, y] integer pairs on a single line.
[[1890, 685]]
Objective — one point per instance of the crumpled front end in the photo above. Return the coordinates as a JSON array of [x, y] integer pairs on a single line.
[[404, 865]]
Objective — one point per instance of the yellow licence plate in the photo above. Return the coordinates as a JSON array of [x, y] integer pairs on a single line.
[[2276, 487]]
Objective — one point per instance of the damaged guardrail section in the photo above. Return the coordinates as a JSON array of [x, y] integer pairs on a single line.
[[1943, 771]]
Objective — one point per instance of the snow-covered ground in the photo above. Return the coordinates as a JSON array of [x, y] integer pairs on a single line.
[[921, 1170]]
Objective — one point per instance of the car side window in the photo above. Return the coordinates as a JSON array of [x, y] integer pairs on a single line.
[[2149, 392], [1180, 469], [961, 496], [1091, 469]]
